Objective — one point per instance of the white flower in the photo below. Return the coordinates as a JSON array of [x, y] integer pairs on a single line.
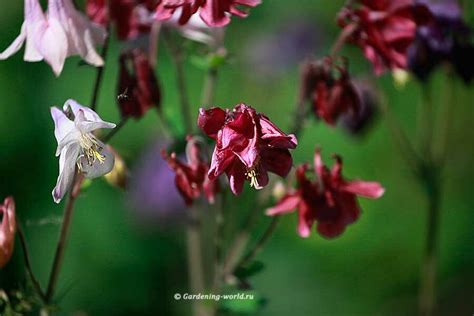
[[61, 32], [78, 146]]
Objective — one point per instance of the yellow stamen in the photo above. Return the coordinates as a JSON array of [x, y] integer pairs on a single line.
[[91, 149], [252, 176]]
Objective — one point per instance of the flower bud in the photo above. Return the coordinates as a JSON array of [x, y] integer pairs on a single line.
[[118, 177], [7, 230]]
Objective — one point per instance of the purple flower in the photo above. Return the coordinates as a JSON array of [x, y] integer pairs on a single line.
[[446, 38], [152, 193]]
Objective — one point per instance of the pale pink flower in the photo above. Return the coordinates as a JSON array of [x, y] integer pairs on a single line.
[[57, 34]]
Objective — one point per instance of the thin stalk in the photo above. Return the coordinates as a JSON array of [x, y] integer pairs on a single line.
[[238, 246], [209, 88], [100, 73], [26, 257], [427, 299], [426, 121], [62, 241], [195, 268], [406, 148], [219, 240], [262, 241], [448, 115], [178, 60], [342, 38], [114, 131]]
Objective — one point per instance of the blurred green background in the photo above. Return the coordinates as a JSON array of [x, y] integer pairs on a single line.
[[116, 264]]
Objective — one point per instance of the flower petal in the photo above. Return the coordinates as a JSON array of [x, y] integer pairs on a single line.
[[16, 45], [211, 121], [367, 189], [53, 45], [286, 205], [236, 175], [67, 167], [98, 168], [62, 124], [305, 219]]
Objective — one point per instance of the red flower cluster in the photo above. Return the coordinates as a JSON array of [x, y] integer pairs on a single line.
[[191, 177], [330, 200], [137, 88], [129, 16], [328, 86], [383, 29], [215, 13], [7, 230], [248, 146]]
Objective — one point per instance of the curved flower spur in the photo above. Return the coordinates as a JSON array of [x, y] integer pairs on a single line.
[[77, 145]]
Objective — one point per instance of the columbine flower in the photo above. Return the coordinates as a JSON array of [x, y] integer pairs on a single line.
[[383, 29], [329, 87], [446, 38], [127, 15], [191, 179], [61, 32], [77, 145], [248, 146], [7, 230], [357, 123], [137, 89], [330, 200], [215, 13]]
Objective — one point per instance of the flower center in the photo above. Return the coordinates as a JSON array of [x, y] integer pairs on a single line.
[[252, 176], [90, 149]]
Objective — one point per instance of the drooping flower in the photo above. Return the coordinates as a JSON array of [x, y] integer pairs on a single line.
[[215, 13], [191, 177], [383, 29], [248, 146], [77, 145], [330, 201], [357, 123], [445, 39], [7, 230], [137, 87], [329, 88], [61, 32], [130, 17]]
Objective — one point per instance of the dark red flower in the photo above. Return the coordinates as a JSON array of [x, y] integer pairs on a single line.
[[383, 29], [7, 230], [137, 88], [215, 13], [191, 177], [129, 16], [329, 88], [248, 146], [330, 200]]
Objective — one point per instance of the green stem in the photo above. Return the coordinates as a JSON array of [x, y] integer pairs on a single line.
[[427, 299], [26, 256], [114, 131], [61, 245], [178, 60], [100, 73], [261, 242], [209, 88], [195, 268]]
